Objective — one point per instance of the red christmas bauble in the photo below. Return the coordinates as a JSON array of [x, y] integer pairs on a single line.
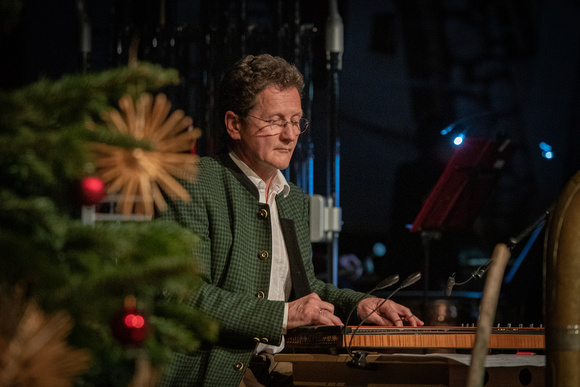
[[92, 190], [129, 326]]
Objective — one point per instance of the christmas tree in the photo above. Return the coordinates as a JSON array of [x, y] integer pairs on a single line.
[[85, 302]]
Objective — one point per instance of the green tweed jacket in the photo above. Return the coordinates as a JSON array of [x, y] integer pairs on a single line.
[[234, 251]]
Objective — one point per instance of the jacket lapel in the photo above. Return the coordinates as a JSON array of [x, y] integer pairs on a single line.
[[300, 285]]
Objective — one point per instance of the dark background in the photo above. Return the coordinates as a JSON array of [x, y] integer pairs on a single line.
[[410, 68]]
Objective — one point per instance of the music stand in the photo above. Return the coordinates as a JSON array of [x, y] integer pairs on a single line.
[[462, 189]]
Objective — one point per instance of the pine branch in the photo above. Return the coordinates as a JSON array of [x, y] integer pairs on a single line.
[[45, 129]]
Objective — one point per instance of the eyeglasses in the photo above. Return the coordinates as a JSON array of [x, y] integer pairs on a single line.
[[276, 127]]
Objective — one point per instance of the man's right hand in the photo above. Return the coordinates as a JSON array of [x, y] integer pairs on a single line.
[[311, 310]]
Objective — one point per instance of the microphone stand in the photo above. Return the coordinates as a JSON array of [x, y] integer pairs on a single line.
[[334, 50], [426, 238], [492, 288], [510, 245]]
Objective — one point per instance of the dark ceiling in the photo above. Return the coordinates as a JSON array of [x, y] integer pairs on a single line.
[[410, 68]]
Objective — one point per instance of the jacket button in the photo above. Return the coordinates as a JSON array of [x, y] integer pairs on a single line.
[[260, 294], [239, 366], [263, 214], [264, 254]]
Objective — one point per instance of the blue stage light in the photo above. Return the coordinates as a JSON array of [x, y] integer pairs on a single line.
[[379, 249], [546, 150], [459, 139]]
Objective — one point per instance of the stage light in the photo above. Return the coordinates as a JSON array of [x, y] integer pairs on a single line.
[[476, 125], [546, 150], [379, 249], [458, 140], [447, 129]]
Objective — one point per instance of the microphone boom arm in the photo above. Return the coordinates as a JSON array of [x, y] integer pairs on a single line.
[[361, 360], [513, 242]]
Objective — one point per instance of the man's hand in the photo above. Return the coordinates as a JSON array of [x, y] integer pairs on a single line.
[[311, 310], [390, 313]]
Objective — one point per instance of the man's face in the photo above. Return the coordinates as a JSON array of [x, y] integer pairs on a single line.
[[266, 153]]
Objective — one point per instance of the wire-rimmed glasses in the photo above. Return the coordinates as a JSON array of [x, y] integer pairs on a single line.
[[276, 127]]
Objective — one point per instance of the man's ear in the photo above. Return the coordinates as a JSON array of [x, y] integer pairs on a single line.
[[233, 125]]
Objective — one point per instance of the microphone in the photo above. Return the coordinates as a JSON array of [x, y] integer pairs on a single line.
[[479, 272], [360, 361], [334, 35], [389, 281], [450, 284], [410, 280]]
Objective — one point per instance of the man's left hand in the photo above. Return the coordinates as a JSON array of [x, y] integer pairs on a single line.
[[389, 314]]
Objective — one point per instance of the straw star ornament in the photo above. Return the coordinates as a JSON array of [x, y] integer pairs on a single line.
[[33, 346], [138, 175]]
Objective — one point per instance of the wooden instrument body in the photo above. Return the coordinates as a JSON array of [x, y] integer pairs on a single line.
[[562, 303], [378, 338]]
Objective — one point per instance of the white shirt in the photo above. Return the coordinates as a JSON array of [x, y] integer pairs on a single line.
[[280, 280]]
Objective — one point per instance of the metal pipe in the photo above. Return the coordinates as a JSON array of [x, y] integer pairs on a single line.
[[334, 51]]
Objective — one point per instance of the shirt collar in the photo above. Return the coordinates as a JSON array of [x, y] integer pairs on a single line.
[[279, 184]]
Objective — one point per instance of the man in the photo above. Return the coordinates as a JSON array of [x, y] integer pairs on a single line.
[[254, 234]]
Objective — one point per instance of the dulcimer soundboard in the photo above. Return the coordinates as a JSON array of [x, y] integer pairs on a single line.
[[379, 338]]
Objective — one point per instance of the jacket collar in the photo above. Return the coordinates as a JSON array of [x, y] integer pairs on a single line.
[[244, 175], [227, 161]]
